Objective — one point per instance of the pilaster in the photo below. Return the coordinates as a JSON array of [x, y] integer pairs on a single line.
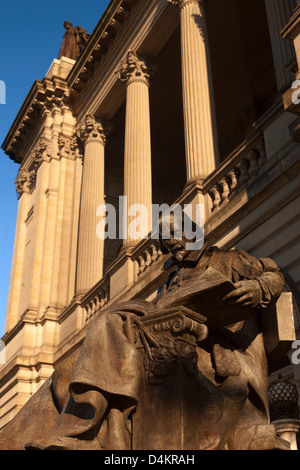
[[15, 285]]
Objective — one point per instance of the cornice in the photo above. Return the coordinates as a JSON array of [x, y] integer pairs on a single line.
[[48, 93], [104, 77], [103, 36], [44, 95]]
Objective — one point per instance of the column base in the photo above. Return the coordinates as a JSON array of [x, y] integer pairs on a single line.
[[128, 247], [80, 294], [196, 181]]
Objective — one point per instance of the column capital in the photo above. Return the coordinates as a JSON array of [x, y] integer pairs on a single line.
[[135, 68], [42, 152], [25, 181], [182, 3], [93, 129], [68, 147]]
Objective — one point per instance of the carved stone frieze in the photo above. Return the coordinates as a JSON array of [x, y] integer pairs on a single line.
[[170, 338], [164, 357]]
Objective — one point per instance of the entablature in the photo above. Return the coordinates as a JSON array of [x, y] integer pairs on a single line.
[[141, 26], [123, 26], [44, 96]]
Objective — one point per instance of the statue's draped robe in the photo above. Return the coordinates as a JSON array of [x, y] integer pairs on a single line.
[[73, 42], [98, 390]]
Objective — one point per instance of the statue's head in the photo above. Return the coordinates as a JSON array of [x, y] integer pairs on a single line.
[[171, 235], [68, 25]]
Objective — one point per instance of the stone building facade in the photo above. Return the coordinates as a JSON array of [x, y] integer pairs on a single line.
[[170, 101]]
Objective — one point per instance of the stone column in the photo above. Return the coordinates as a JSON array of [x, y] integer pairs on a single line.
[[198, 102], [93, 134], [279, 13], [136, 72]]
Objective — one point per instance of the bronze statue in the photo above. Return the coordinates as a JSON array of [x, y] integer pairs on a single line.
[[188, 371], [75, 39]]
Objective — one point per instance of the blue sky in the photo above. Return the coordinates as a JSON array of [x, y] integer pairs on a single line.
[[31, 33]]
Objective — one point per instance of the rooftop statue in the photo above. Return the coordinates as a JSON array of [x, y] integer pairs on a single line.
[[188, 371], [75, 39]]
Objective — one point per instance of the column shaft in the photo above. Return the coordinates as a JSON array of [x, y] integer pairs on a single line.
[[90, 247], [279, 13], [137, 152], [135, 72], [198, 101]]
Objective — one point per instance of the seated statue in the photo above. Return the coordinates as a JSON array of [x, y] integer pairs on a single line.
[[143, 381]]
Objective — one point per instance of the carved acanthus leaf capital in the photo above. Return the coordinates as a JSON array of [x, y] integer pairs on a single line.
[[182, 3], [42, 151], [93, 129], [27, 177], [135, 68], [25, 181], [68, 147], [54, 104]]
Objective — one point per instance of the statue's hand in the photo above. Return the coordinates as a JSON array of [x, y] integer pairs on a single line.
[[247, 293]]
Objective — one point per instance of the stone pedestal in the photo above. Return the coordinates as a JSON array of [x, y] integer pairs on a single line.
[[179, 406], [170, 397]]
